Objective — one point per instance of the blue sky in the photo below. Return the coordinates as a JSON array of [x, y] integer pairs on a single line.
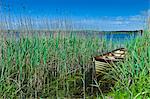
[[89, 14]]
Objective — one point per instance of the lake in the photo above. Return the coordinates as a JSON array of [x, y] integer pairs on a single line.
[[115, 36]]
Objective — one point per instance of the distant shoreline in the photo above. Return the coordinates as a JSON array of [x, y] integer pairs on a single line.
[[72, 30]]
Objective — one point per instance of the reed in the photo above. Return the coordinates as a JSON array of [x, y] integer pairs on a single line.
[[44, 66], [53, 64], [133, 75]]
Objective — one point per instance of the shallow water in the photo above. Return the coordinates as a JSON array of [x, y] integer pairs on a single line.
[[115, 37], [121, 37]]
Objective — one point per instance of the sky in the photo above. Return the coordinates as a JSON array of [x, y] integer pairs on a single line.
[[84, 14]]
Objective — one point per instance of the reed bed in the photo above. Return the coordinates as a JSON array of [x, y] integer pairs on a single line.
[[53, 66], [133, 75], [41, 64], [56, 66]]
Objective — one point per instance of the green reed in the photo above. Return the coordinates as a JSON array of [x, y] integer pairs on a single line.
[[133, 75], [55, 66], [44, 66]]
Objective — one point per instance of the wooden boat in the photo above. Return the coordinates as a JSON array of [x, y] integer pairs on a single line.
[[105, 61]]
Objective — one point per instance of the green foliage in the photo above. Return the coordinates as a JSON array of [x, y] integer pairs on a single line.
[[133, 75], [56, 66], [44, 66]]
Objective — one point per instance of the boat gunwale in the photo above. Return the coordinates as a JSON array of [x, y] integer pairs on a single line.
[[107, 60]]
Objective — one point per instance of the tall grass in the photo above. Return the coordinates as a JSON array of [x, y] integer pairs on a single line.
[[41, 64], [45, 66], [133, 75], [53, 67]]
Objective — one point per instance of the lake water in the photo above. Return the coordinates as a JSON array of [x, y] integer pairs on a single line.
[[121, 37], [114, 36]]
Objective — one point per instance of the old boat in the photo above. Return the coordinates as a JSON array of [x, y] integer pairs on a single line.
[[105, 61]]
